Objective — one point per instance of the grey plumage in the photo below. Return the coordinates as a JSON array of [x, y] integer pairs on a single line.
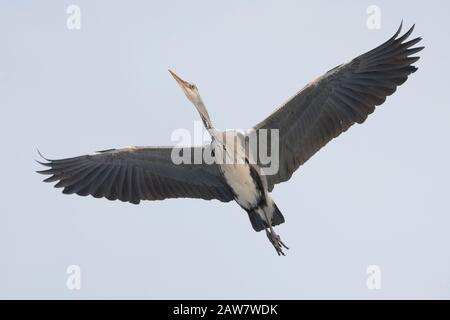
[[135, 174], [321, 111], [335, 101]]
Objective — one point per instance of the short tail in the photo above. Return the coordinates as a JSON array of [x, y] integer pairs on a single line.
[[259, 224], [277, 216]]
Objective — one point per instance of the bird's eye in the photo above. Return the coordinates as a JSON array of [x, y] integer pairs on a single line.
[[192, 86]]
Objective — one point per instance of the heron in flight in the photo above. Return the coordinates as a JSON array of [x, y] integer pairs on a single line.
[[321, 111]]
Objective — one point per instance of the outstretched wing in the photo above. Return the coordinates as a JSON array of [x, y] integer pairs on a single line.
[[332, 103], [138, 173]]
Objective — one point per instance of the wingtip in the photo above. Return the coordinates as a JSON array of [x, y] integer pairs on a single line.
[[40, 162], [45, 171], [400, 27], [412, 28], [396, 34], [418, 49], [40, 154], [47, 164]]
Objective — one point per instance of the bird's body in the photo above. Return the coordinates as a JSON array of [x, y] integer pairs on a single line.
[[248, 186], [321, 111], [244, 186]]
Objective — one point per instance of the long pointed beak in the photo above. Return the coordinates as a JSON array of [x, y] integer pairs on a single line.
[[180, 81]]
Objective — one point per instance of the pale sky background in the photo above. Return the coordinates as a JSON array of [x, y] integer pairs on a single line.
[[378, 195]]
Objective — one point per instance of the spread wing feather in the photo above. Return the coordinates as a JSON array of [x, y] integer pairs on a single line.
[[331, 104], [137, 173]]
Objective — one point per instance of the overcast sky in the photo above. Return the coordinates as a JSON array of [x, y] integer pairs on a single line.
[[377, 195]]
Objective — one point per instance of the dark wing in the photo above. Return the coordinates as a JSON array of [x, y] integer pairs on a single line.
[[134, 174], [332, 103]]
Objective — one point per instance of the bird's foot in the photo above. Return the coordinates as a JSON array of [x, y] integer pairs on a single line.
[[276, 241]]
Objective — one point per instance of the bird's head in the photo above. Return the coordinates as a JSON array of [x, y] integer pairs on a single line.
[[189, 89], [191, 92]]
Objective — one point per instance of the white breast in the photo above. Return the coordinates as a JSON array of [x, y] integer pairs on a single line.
[[239, 179], [236, 171]]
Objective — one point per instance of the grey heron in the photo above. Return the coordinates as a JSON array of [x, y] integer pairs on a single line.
[[321, 111]]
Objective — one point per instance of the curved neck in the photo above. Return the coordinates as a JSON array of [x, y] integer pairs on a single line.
[[200, 106]]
